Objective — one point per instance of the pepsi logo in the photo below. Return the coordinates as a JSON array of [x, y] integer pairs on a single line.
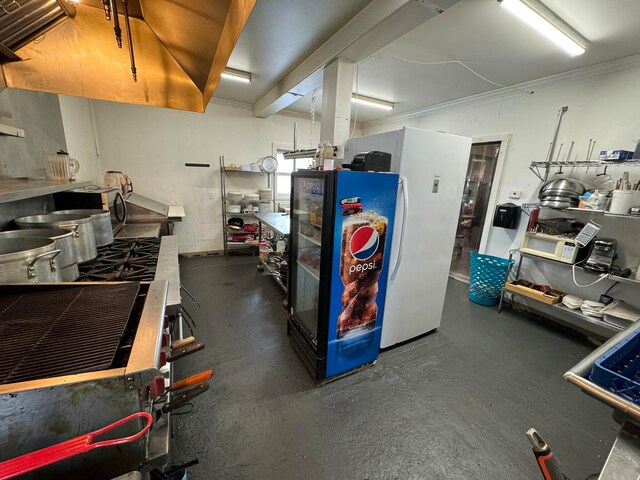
[[364, 243]]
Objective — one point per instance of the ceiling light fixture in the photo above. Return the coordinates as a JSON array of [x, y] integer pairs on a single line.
[[372, 102], [237, 75], [538, 16]]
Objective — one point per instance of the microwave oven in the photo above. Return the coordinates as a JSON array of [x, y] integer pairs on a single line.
[[554, 247], [93, 197]]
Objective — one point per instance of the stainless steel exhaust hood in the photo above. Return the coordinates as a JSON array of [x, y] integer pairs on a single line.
[[181, 49]]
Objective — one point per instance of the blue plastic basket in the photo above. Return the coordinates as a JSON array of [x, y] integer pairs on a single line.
[[618, 370], [487, 277]]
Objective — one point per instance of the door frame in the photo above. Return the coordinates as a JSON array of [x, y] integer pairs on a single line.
[[504, 139]]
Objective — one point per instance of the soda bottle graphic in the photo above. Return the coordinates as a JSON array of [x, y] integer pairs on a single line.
[[361, 260]]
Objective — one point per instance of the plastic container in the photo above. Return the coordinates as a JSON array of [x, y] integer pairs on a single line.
[[265, 207], [265, 194], [623, 200], [487, 277], [618, 370], [235, 197]]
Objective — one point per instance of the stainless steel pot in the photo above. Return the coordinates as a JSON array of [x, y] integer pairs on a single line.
[[84, 239], [28, 260], [63, 238], [101, 223], [568, 185], [558, 193], [560, 198]]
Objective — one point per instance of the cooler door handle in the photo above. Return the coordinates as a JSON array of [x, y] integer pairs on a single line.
[[404, 185]]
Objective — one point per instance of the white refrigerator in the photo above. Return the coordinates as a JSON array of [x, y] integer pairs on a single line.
[[432, 168]]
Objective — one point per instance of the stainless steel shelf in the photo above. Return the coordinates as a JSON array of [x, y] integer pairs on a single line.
[[610, 276], [275, 275], [226, 170], [308, 270], [573, 318], [588, 163], [631, 281], [582, 210], [536, 167], [13, 189], [225, 215], [309, 239]]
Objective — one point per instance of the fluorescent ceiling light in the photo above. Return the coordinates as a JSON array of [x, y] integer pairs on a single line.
[[237, 75], [535, 14], [372, 102]]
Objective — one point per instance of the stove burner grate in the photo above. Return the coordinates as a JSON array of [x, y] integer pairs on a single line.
[[125, 259], [62, 331]]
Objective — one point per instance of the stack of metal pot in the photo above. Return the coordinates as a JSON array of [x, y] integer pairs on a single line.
[[561, 193], [49, 248], [63, 265]]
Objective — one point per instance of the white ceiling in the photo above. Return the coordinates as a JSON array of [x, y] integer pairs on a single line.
[[478, 32], [278, 35]]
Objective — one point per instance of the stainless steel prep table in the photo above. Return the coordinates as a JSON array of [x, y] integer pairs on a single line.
[[168, 269], [280, 223], [624, 459]]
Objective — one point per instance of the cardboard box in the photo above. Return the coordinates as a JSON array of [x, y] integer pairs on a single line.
[[619, 155], [520, 287]]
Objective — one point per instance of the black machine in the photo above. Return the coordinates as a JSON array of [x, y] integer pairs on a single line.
[[371, 162], [603, 253], [507, 216]]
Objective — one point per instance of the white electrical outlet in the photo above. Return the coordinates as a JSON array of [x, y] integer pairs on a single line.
[[515, 194], [211, 194]]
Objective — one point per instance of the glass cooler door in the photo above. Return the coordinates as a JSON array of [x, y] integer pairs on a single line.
[[307, 222]]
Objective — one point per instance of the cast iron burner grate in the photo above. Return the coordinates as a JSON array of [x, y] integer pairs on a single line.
[[125, 259], [62, 331]]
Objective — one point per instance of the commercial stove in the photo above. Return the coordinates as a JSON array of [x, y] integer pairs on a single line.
[[138, 259], [124, 260], [77, 357]]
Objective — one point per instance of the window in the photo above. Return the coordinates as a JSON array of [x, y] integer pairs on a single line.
[[285, 169]]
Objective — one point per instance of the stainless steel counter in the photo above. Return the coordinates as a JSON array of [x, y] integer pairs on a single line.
[[12, 189], [168, 269], [140, 230]]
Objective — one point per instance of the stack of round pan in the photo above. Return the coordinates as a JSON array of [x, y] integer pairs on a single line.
[[561, 193]]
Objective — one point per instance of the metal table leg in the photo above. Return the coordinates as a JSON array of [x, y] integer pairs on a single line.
[[503, 291], [260, 267]]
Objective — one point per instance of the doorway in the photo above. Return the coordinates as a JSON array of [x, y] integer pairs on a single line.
[[473, 208]]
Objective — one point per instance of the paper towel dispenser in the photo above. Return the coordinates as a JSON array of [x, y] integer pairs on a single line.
[[507, 216]]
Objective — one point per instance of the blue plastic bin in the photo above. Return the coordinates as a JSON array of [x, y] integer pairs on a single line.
[[487, 277], [618, 370]]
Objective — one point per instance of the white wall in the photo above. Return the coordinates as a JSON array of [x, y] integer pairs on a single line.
[[79, 133], [152, 145], [602, 106], [38, 114]]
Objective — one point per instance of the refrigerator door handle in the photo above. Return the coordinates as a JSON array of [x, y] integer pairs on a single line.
[[404, 185]]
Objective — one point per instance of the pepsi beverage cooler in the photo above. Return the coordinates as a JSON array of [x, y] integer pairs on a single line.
[[341, 231]]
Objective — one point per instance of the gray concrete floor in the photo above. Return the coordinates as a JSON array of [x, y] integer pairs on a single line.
[[451, 405]]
